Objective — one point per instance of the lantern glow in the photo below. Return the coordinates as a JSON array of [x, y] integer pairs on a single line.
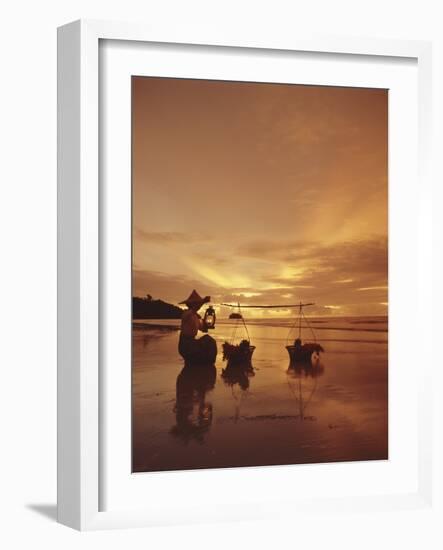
[[209, 318]]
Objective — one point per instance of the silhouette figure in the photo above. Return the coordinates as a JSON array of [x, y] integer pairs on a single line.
[[195, 351]]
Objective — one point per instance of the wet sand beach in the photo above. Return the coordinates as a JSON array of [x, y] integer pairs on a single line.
[[271, 415]]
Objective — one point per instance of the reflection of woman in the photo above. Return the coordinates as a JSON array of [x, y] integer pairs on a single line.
[[193, 413], [195, 350]]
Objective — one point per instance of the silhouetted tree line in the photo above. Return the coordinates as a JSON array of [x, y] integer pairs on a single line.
[[147, 308]]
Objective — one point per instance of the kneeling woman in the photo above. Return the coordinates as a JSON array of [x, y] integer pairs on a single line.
[[196, 350]]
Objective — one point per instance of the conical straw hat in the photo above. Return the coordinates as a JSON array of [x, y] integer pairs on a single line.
[[195, 298]]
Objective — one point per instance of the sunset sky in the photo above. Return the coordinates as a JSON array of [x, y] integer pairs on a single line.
[[260, 193]]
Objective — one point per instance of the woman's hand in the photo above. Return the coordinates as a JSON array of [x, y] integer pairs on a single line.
[[203, 326]]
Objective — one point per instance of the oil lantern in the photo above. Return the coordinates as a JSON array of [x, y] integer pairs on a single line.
[[209, 317]]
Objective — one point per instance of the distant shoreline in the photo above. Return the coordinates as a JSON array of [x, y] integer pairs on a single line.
[[173, 324], [136, 325]]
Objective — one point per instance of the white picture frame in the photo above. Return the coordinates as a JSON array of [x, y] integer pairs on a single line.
[[80, 262]]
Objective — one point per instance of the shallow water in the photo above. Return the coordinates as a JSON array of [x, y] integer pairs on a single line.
[[337, 411]]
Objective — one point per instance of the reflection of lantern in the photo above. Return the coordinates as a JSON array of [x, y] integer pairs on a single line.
[[210, 317]]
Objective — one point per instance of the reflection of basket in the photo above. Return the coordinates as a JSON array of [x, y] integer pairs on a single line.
[[240, 354], [302, 353], [238, 373]]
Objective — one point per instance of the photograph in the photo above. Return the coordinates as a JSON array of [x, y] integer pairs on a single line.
[[259, 274]]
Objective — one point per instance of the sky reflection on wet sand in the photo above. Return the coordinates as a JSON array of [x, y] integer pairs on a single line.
[[271, 416]]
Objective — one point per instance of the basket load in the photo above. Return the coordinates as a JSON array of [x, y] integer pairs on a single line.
[[238, 354], [304, 353]]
